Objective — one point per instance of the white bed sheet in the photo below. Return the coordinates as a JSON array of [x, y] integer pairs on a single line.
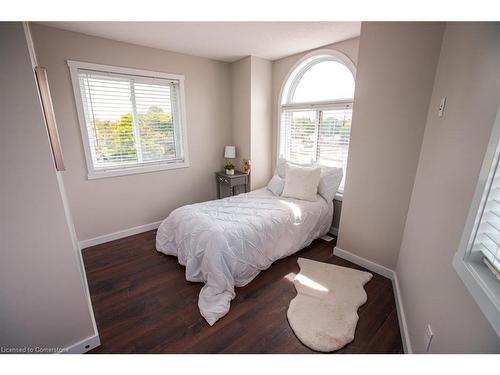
[[227, 242]]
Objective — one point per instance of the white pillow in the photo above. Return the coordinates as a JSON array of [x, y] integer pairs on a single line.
[[281, 166], [329, 183], [276, 185], [330, 180], [301, 182]]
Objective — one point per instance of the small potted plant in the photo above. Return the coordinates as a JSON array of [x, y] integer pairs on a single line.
[[229, 168]]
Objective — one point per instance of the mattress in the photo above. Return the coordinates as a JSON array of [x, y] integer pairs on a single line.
[[225, 243]]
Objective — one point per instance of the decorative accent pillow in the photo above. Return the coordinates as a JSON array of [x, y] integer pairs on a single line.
[[281, 166], [301, 182], [276, 185], [329, 183]]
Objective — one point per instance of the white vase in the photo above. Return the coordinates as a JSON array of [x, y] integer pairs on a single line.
[[230, 172]]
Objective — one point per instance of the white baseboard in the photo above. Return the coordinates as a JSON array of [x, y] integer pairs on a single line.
[[83, 346], [368, 264], [403, 328], [390, 274], [117, 235]]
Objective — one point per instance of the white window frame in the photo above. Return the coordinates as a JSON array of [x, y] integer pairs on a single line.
[[291, 81], [479, 280], [93, 173]]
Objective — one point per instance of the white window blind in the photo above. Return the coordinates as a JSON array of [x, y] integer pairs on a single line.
[[132, 122], [487, 239], [320, 135]]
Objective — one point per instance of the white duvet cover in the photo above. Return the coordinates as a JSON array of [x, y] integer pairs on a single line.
[[226, 243]]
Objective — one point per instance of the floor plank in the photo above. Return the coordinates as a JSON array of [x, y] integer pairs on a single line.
[[143, 304]]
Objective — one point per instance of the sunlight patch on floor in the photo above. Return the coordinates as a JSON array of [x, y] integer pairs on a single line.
[[306, 281]]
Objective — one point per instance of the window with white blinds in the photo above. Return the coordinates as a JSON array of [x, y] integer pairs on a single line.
[[320, 136], [477, 260], [132, 121], [316, 113], [486, 242]]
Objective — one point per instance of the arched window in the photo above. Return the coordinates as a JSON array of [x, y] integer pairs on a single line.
[[316, 111]]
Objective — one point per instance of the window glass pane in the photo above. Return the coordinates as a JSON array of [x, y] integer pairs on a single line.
[[302, 136], [108, 111], [154, 111], [326, 80], [333, 140]]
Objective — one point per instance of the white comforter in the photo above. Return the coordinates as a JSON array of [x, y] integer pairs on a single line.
[[226, 243]]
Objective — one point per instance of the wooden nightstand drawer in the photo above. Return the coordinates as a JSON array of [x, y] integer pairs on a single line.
[[229, 185], [238, 180]]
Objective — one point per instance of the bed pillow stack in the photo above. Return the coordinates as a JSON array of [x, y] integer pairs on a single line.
[[329, 182], [301, 182]]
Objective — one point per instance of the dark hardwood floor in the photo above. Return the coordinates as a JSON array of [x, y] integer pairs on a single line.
[[143, 304]]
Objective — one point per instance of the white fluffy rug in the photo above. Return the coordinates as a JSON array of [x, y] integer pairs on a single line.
[[323, 315]]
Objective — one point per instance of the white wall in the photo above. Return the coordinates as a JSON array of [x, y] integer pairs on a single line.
[[43, 298], [107, 205], [251, 129], [241, 109], [261, 121], [450, 160], [395, 73]]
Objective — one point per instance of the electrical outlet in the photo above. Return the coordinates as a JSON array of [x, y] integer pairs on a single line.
[[428, 337], [442, 104]]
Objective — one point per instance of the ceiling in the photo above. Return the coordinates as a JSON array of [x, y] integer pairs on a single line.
[[224, 41]]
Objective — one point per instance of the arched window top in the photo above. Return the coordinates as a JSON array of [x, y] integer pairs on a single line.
[[321, 78]]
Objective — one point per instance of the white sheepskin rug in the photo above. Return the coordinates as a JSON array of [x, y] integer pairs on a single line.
[[324, 315]]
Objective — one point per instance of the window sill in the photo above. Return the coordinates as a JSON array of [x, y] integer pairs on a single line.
[[483, 287], [93, 175]]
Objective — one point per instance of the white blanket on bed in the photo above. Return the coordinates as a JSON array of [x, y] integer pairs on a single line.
[[226, 243]]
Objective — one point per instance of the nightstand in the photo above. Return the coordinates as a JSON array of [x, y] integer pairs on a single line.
[[229, 185]]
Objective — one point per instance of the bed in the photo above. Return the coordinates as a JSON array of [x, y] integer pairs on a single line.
[[226, 243]]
